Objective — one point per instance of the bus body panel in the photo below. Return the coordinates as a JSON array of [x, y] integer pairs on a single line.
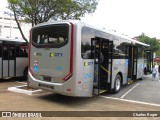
[[5, 68], [50, 63], [0, 67], [11, 68], [21, 64], [87, 77], [50, 66], [119, 66], [140, 68]]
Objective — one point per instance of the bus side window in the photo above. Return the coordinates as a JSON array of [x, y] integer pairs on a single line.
[[21, 52], [11, 52], [17, 51], [25, 53], [0, 50], [5, 52]]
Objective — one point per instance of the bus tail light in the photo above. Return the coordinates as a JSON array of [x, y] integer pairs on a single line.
[[67, 77], [71, 56], [68, 90]]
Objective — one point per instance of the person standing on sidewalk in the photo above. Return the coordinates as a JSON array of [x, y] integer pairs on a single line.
[[154, 72], [159, 71]]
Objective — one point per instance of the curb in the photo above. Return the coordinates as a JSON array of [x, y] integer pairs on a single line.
[[19, 89]]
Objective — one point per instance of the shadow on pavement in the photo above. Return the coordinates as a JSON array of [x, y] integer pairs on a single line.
[[13, 79], [67, 100]]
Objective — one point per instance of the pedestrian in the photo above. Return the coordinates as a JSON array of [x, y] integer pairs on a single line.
[[145, 70], [159, 71], [154, 72]]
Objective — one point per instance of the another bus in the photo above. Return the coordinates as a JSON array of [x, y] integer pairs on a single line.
[[76, 59], [13, 58]]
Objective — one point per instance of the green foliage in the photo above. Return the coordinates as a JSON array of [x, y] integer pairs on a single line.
[[38, 11], [13, 1], [154, 44], [158, 52]]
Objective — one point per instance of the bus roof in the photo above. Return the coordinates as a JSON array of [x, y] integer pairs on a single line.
[[128, 38], [12, 39], [101, 29]]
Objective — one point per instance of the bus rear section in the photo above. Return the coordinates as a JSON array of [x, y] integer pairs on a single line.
[[51, 58]]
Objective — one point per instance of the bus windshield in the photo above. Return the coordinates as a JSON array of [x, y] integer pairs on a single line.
[[50, 35]]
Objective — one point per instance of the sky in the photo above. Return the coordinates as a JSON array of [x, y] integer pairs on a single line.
[[3, 4], [129, 17]]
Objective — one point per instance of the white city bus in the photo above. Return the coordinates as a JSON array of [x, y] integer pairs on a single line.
[[76, 59], [13, 58]]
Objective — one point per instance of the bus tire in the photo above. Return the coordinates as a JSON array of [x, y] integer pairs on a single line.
[[25, 74], [117, 84]]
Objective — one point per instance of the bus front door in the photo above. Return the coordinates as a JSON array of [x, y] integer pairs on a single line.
[[8, 61], [101, 52], [148, 62], [132, 63]]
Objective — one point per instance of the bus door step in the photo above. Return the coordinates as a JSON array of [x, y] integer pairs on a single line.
[[130, 81], [102, 91], [95, 84], [7, 78], [97, 91]]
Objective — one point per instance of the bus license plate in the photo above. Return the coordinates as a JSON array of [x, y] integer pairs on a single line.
[[46, 86], [45, 78]]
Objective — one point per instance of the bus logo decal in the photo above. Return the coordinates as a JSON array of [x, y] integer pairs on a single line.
[[126, 62], [87, 75], [58, 68], [37, 54], [35, 68], [88, 63], [141, 66], [56, 54]]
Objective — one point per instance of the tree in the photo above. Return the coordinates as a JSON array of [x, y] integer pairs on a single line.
[[154, 44], [39, 11]]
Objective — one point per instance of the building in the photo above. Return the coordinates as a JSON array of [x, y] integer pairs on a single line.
[[9, 28], [158, 40]]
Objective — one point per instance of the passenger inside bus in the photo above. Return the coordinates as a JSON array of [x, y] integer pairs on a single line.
[[5, 51], [25, 53]]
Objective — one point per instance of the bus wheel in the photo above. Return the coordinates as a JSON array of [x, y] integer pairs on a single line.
[[117, 84], [25, 74]]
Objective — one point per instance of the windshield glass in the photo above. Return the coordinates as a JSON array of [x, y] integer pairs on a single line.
[[50, 35]]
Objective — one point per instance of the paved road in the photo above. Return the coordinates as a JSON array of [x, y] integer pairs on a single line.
[[11, 101], [144, 90]]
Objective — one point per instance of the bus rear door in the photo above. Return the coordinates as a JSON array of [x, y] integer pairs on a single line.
[[8, 60], [101, 52], [148, 62], [132, 63]]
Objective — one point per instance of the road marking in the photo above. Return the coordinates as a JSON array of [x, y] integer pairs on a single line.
[[21, 82], [132, 101], [143, 84], [129, 91]]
